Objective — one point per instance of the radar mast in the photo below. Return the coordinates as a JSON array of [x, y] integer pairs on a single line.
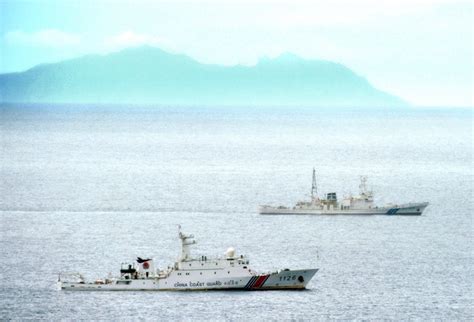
[[186, 242], [363, 185], [314, 187]]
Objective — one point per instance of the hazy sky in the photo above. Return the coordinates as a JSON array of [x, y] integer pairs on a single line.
[[420, 50]]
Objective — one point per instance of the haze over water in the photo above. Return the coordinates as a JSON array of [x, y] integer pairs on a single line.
[[85, 188]]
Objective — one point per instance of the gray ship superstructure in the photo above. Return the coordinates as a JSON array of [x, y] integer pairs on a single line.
[[362, 204]]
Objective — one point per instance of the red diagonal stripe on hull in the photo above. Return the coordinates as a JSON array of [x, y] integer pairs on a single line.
[[266, 278], [260, 281]]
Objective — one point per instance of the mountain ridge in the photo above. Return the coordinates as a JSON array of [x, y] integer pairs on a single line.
[[150, 75]]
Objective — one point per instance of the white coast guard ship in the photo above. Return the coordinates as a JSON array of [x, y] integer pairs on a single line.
[[363, 204], [202, 273]]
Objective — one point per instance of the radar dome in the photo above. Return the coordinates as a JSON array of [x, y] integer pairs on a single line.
[[230, 252]]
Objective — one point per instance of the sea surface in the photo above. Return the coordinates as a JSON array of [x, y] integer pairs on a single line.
[[85, 188]]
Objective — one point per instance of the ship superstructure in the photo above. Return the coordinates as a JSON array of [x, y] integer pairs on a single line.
[[230, 272], [362, 204]]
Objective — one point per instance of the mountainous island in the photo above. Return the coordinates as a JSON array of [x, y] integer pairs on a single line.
[[148, 75]]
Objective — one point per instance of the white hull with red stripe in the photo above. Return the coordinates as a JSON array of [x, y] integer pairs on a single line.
[[280, 280], [228, 273]]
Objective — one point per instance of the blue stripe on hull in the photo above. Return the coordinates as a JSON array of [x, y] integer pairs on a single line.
[[251, 281], [392, 211]]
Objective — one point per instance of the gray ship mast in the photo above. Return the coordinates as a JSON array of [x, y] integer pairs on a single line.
[[364, 192], [363, 185], [314, 188]]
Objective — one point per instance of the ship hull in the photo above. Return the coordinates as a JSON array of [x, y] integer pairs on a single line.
[[414, 209], [283, 280]]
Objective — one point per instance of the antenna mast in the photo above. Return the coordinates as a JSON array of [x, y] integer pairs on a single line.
[[186, 242], [363, 185], [314, 186]]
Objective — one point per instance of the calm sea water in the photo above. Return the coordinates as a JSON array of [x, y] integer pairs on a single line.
[[84, 188]]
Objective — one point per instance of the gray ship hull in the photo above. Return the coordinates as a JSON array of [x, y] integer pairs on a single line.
[[413, 209]]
